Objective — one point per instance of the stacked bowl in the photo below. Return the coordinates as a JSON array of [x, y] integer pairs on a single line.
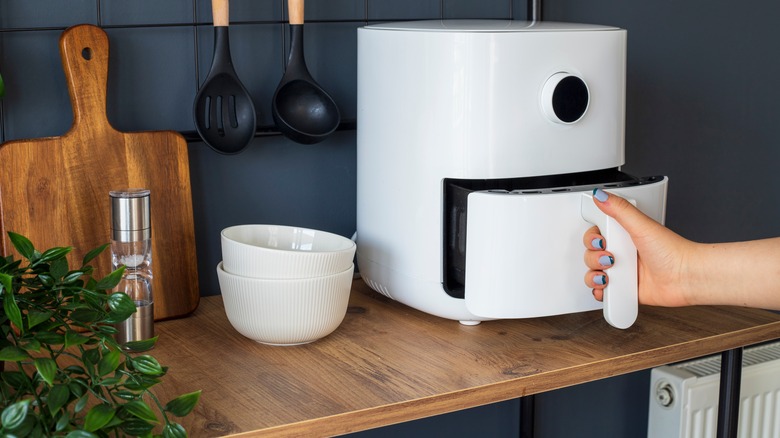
[[285, 285]]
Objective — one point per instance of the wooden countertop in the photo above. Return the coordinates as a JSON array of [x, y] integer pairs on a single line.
[[388, 363]]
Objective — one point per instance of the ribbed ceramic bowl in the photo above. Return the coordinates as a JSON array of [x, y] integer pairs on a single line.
[[278, 251], [285, 311]]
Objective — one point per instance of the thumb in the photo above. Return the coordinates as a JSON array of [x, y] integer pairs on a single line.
[[625, 213]]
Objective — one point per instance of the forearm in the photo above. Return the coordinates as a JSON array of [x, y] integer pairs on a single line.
[[739, 274]]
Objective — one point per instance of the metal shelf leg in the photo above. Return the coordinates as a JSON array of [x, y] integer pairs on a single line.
[[527, 413], [730, 383]]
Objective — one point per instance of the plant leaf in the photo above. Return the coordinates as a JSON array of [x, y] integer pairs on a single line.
[[13, 354], [47, 368], [142, 345], [50, 338], [76, 389], [23, 245], [139, 409], [46, 280], [120, 301], [28, 427], [62, 422], [126, 395], [72, 276], [139, 382], [15, 379], [81, 403], [147, 365], [107, 329], [80, 434], [35, 317], [121, 305], [184, 404], [94, 300], [94, 253], [13, 415], [85, 316], [108, 363], [6, 282], [75, 369], [136, 427], [91, 356], [58, 397], [111, 280], [111, 425], [58, 268], [30, 345], [98, 417], [12, 309], [174, 430], [54, 254], [91, 283], [110, 381], [74, 338]]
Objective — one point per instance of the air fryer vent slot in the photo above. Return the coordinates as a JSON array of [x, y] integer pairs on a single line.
[[377, 287]]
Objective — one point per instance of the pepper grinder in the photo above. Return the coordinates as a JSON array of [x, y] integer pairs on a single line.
[[131, 247]]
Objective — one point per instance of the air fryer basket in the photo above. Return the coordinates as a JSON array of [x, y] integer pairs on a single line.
[[455, 211]]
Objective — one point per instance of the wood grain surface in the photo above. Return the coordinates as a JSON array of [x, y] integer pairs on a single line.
[[388, 363], [295, 11], [220, 12], [55, 190]]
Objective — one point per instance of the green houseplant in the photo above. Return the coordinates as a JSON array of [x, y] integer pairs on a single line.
[[64, 374]]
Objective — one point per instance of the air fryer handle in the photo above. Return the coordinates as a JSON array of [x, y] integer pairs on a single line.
[[621, 302]]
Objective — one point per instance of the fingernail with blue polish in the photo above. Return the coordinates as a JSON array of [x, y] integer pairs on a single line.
[[600, 279], [600, 195], [606, 260], [597, 243]]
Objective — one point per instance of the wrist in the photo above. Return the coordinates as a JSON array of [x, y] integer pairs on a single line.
[[691, 275]]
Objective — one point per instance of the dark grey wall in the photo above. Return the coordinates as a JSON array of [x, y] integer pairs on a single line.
[[161, 51], [702, 108]]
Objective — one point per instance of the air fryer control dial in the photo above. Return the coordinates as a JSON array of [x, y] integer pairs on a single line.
[[565, 98]]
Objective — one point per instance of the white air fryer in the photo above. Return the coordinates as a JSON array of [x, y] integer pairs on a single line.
[[479, 145]]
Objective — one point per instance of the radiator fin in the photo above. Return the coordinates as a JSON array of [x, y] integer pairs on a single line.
[[760, 415], [711, 364], [684, 396], [701, 423]]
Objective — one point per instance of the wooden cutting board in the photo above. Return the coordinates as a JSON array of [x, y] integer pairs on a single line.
[[55, 190]]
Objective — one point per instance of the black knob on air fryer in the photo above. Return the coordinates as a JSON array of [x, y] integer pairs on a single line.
[[565, 98]]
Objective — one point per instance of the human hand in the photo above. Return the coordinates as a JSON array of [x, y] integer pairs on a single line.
[[661, 254]]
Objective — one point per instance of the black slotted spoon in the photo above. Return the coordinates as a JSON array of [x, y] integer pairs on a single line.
[[224, 112]]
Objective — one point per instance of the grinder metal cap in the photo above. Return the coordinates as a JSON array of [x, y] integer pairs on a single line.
[[130, 215]]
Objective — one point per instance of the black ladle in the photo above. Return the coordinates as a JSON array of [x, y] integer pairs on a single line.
[[224, 112], [301, 109]]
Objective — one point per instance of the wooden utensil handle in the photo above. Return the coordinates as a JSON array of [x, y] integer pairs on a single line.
[[220, 11], [84, 52], [295, 11]]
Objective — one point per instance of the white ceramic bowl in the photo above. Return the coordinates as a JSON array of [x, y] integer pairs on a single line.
[[286, 311], [278, 251]]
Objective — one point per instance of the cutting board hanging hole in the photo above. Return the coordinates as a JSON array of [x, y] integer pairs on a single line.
[[86, 53]]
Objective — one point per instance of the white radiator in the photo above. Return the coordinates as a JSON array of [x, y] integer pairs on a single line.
[[684, 396]]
